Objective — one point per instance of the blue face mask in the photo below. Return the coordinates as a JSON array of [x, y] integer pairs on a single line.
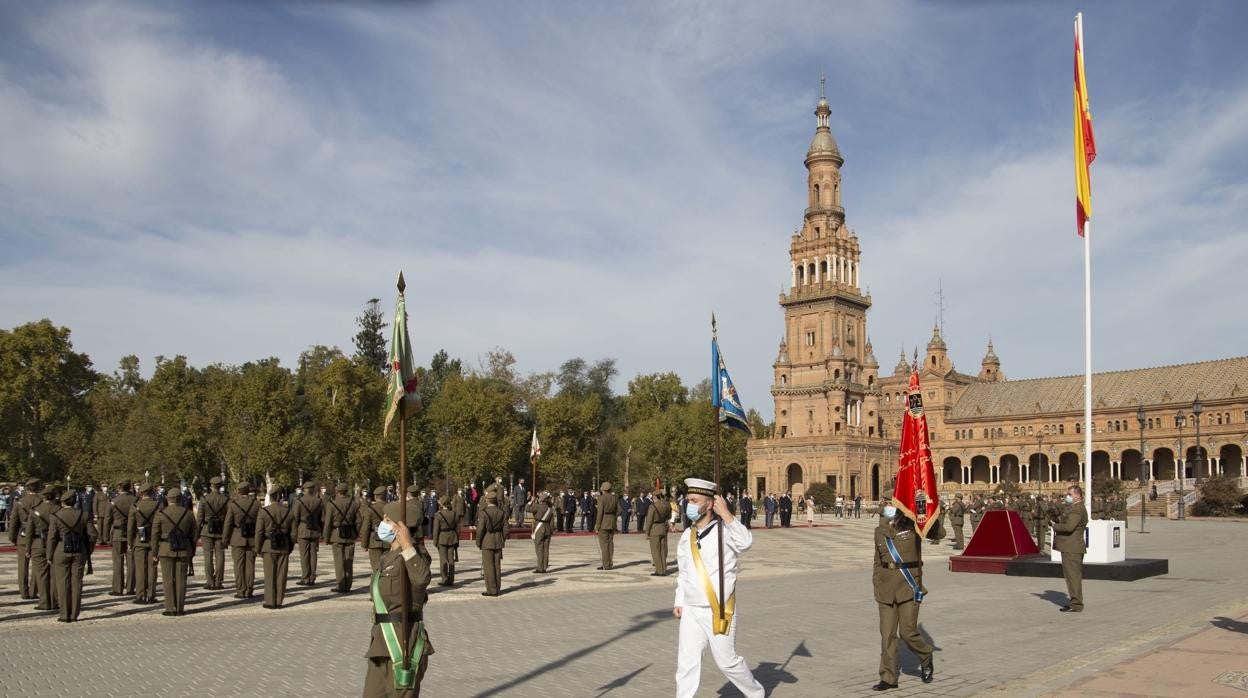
[[890, 511], [693, 512], [1070, 499], [385, 532]]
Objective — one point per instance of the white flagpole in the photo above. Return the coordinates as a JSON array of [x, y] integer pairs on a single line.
[[1087, 333]]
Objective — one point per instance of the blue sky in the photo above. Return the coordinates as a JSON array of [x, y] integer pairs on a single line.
[[229, 181]]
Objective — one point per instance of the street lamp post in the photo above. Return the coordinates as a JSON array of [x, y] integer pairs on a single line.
[[1197, 408], [1179, 420], [1139, 417]]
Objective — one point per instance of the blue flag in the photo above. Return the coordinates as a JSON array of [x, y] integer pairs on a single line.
[[724, 395]]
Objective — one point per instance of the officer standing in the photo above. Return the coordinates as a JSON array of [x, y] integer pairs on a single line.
[[460, 509], [769, 510], [238, 532], [491, 537], [274, 541], [786, 510], [655, 528], [173, 531], [543, 513], [117, 523], [385, 675], [1069, 524], [897, 576], [309, 510], [139, 533], [342, 522], [211, 525], [957, 514], [71, 538], [22, 533], [605, 523], [747, 509], [976, 512], [370, 516], [40, 565], [446, 536], [569, 511], [520, 499]]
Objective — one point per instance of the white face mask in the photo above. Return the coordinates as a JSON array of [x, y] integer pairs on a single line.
[[1070, 499], [385, 532], [890, 511]]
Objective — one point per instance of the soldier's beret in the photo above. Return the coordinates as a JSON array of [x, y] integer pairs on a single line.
[[146, 488], [69, 497], [309, 485], [413, 512], [413, 489], [34, 483], [341, 487], [606, 487], [216, 480], [243, 488], [491, 495], [379, 491], [173, 493]]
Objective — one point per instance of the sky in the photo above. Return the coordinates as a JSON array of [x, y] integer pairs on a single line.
[[232, 181]]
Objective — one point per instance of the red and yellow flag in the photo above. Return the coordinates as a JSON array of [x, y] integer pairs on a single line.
[[1085, 144], [915, 492]]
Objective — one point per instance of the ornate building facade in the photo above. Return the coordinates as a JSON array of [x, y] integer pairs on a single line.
[[837, 420]]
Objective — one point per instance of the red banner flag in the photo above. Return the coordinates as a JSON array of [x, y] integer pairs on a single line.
[[915, 493]]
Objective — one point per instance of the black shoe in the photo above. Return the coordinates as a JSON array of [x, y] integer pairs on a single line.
[[169, 613], [1068, 609], [62, 620], [881, 686], [598, 567], [268, 605], [927, 673], [486, 593], [115, 593]]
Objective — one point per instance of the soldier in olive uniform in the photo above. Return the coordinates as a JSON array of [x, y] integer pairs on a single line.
[[655, 528], [491, 536], [239, 532], [1069, 523], [605, 517], [22, 533], [309, 510], [212, 509], [370, 516], [897, 600], [40, 565], [71, 538], [387, 592], [977, 512], [957, 514], [117, 524], [173, 531], [342, 526], [139, 533], [445, 536], [274, 541], [543, 519], [460, 509]]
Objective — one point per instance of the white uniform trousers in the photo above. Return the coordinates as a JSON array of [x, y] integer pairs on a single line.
[[695, 634]]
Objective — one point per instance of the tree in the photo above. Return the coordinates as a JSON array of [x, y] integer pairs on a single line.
[[370, 341], [476, 428], [569, 432], [43, 384], [1219, 496]]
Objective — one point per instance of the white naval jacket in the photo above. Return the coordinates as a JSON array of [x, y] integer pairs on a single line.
[[690, 590]]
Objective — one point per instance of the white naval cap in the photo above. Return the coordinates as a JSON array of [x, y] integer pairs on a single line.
[[695, 485]]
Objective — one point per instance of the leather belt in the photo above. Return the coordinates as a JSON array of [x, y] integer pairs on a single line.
[[416, 617], [908, 565]]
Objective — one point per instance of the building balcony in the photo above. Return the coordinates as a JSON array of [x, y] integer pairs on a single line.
[[826, 210]]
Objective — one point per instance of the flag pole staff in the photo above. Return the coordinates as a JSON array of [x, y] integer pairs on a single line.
[[1087, 324], [715, 398], [405, 610]]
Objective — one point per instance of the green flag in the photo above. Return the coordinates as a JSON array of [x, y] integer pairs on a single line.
[[403, 383]]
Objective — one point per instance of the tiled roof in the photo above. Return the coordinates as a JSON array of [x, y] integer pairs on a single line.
[[1215, 380]]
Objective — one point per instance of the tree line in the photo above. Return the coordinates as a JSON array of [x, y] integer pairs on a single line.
[[61, 419]]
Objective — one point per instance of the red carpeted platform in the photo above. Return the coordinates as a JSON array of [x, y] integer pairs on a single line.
[[1001, 538]]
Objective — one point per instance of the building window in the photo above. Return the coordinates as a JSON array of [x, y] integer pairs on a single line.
[[784, 379], [784, 431], [1219, 420], [1016, 431], [1061, 428], [1078, 427], [810, 338]]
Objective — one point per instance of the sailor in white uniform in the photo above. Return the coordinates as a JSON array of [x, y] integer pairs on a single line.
[[698, 592]]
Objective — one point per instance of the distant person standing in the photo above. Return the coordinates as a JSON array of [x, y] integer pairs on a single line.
[[520, 499], [769, 509], [491, 537], [212, 508], [957, 519], [747, 509], [1069, 524], [626, 512], [371, 515], [810, 512], [786, 510], [605, 519], [139, 531], [543, 514], [342, 522], [22, 533], [239, 532], [858, 506], [446, 537], [71, 537], [274, 542], [569, 511], [173, 532], [309, 512], [655, 528]]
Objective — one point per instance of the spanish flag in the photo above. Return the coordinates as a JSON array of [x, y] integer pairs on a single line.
[[1085, 144]]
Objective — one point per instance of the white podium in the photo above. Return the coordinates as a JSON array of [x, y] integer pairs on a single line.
[[1106, 541]]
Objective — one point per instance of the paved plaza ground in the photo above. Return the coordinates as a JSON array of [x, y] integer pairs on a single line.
[[807, 625]]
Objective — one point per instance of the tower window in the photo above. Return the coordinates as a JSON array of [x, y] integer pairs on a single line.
[[823, 266], [810, 338]]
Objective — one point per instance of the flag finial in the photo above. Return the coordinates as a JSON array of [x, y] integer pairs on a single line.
[[714, 326], [402, 284]]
